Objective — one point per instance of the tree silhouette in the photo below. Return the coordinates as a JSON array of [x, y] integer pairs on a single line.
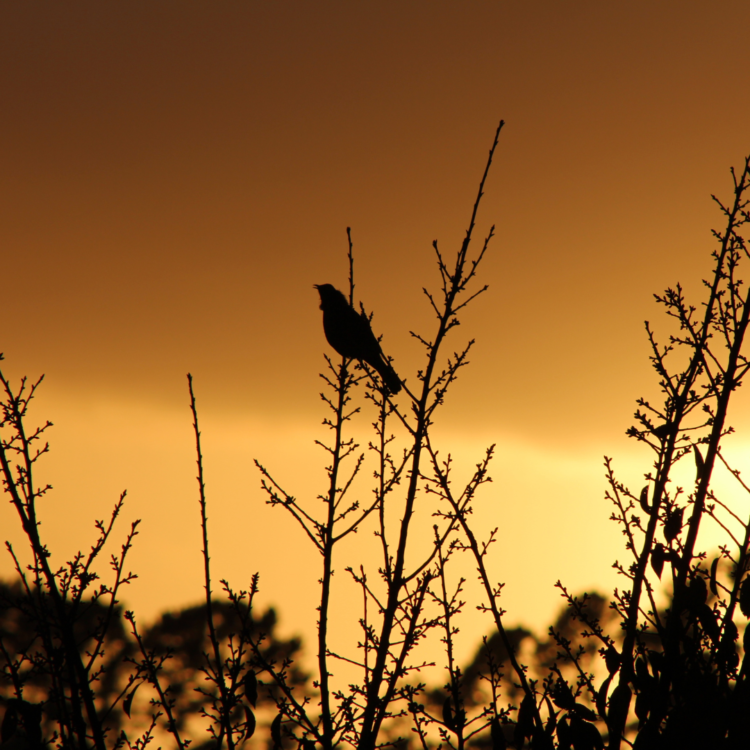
[[178, 640]]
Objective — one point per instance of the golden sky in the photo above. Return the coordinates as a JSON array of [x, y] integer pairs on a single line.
[[176, 176]]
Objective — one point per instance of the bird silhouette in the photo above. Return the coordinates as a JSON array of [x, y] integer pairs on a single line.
[[350, 334]]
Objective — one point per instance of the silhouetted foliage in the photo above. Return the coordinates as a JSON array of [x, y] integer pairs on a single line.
[[179, 640], [674, 677], [656, 665]]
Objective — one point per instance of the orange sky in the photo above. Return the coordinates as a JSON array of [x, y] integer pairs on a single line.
[[177, 175]]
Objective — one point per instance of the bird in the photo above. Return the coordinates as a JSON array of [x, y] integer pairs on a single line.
[[350, 334]]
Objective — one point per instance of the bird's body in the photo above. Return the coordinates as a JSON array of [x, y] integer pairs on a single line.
[[349, 333]]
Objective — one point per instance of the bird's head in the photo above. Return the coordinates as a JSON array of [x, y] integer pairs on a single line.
[[329, 295]]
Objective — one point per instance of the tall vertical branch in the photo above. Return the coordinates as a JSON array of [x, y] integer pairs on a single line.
[[375, 708], [225, 728], [728, 382]]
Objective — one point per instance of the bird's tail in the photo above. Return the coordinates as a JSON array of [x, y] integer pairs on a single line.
[[391, 380]]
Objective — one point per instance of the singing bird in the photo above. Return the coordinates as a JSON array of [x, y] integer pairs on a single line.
[[349, 333]]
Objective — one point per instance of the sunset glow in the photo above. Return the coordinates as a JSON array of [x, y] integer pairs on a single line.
[[178, 175]]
